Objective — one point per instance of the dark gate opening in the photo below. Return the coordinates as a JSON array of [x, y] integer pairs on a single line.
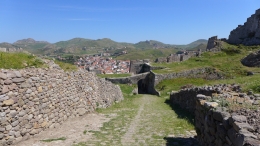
[[141, 87]]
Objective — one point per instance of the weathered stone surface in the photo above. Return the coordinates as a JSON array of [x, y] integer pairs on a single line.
[[239, 118], [15, 123], [238, 126], [201, 96], [25, 85], [3, 97], [8, 102], [235, 138], [210, 104], [40, 89], [8, 82], [38, 99], [18, 74], [5, 89], [247, 34], [81, 111], [219, 115], [11, 75], [3, 76], [18, 80], [8, 127]]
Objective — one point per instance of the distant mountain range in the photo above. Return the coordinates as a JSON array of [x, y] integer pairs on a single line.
[[88, 46]]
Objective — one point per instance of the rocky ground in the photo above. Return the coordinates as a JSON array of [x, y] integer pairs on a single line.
[[145, 120]]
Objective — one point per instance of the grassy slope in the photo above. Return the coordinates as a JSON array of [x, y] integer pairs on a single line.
[[147, 54], [226, 62], [66, 66], [18, 60]]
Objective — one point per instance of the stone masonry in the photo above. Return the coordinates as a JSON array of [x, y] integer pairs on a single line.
[[216, 125], [214, 44], [249, 33], [35, 99]]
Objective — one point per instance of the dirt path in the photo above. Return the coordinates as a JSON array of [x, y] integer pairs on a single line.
[[137, 121], [72, 130], [128, 137]]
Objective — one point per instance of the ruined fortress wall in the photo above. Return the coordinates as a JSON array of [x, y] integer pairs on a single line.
[[136, 66], [35, 99], [11, 49], [3, 49], [214, 124], [128, 80], [249, 33]]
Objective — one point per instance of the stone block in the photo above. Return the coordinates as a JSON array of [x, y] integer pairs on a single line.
[[238, 118], [210, 104], [238, 126], [8, 102], [220, 115], [236, 138], [18, 80], [18, 74], [8, 82], [5, 89], [3, 76]]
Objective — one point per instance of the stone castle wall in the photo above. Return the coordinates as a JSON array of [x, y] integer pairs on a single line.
[[215, 125], [214, 44], [137, 65], [147, 81], [249, 33], [35, 99], [11, 49]]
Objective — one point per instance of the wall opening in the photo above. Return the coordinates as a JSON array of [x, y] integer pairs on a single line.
[[142, 89]]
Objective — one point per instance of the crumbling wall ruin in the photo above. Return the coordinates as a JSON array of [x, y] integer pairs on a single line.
[[35, 99], [217, 125]]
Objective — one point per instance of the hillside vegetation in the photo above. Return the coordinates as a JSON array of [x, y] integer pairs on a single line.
[[227, 62], [81, 46], [19, 60]]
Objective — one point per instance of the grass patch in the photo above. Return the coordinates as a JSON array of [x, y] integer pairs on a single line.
[[246, 82], [55, 139], [84, 132], [19, 60], [66, 66], [226, 61], [113, 75]]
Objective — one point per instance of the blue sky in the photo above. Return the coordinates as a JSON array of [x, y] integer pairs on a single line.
[[168, 21]]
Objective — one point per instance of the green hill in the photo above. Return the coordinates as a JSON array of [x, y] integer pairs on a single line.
[[81, 46], [194, 44], [152, 44]]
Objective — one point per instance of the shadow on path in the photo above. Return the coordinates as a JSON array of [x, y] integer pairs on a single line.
[[180, 141], [182, 113]]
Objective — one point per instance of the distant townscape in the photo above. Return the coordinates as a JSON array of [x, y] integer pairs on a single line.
[[103, 65]]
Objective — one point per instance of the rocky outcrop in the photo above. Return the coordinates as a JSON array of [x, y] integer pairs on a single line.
[[249, 33], [252, 60], [35, 99], [215, 123]]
